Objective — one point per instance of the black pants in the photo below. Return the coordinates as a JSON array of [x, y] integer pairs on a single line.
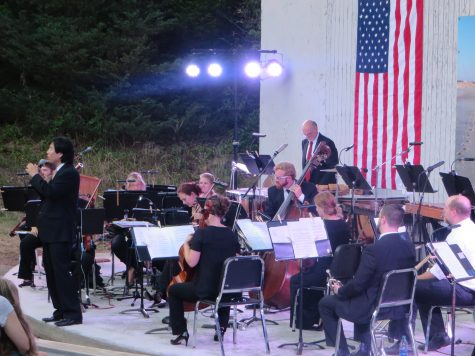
[[177, 294], [431, 292], [327, 307], [62, 286], [28, 244], [314, 276]]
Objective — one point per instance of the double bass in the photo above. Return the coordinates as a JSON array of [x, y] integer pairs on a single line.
[[277, 273]]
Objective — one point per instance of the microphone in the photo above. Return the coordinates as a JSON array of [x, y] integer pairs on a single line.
[[416, 143], [220, 183], [150, 172], [22, 174], [434, 166], [125, 180], [280, 149], [86, 150], [468, 159], [349, 147], [257, 134]]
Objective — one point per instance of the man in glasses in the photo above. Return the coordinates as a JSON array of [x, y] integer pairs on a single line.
[[284, 184]]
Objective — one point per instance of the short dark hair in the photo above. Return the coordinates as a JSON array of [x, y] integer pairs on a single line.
[[65, 146], [217, 205], [394, 214]]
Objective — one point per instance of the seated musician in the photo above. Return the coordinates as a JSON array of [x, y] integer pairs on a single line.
[[284, 174], [188, 194], [315, 275], [356, 300], [206, 183], [119, 244], [206, 251], [433, 287], [30, 242]]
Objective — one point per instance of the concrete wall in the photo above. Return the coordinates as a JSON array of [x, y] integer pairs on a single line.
[[318, 39]]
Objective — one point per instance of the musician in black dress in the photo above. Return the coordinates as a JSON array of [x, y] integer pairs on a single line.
[[284, 174], [315, 274], [206, 251]]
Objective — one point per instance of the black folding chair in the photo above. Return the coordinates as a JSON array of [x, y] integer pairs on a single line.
[[241, 274]]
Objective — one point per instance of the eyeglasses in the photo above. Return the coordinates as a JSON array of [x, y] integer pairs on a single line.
[[282, 177]]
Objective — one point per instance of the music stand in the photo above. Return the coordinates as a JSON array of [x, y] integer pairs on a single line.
[[116, 202], [414, 178], [258, 163], [455, 185], [353, 178], [15, 198], [289, 244], [91, 222], [32, 208]]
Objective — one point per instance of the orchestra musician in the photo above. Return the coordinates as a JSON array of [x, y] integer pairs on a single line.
[[338, 233], [205, 250], [120, 245], [57, 230], [284, 175], [312, 139], [30, 242], [206, 183], [433, 287], [188, 194], [356, 300]]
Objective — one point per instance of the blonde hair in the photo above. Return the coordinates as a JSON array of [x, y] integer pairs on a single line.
[[327, 202], [208, 176], [10, 292], [287, 167], [138, 179]]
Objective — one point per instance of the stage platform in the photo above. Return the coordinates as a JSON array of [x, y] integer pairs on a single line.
[[106, 327]]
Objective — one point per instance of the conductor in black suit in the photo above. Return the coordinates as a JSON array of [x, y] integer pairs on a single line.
[[309, 145], [57, 230], [284, 174], [356, 300]]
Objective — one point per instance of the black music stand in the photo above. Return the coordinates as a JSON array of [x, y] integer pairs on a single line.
[[353, 178], [116, 202], [256, 163], [455, 184], [288, 251], [15, 198], [415, 179], [91, 222]]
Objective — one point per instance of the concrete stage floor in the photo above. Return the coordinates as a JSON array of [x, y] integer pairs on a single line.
[[107, 328]]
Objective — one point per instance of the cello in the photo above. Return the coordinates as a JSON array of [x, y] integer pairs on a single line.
[[277, 273]]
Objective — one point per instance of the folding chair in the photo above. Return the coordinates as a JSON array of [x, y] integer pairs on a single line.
[[395, 302], [241, 274]]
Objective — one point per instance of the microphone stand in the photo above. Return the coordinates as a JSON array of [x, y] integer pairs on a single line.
[[416, 228], [377, 168]]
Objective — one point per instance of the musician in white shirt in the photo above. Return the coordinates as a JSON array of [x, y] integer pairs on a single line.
[[433, 288]]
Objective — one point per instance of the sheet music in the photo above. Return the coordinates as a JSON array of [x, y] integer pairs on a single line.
[[162, 242], [449, 259], [313, 227], [256, 234], [304, 233], [280, 234]]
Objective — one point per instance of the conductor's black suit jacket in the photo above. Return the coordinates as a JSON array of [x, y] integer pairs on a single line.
[[316, 176], [57, 216], [276, 198], [357, 298]]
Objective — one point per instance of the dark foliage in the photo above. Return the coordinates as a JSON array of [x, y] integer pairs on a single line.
[[112, 71]]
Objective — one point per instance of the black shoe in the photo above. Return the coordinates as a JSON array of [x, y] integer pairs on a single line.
[[437, 342], [27, 283], [166, 320], [364, 350], [183, 336], [50, 319], [68, 322], [216, 337]]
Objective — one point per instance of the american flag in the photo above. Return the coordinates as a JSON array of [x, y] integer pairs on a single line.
[[388, 87]]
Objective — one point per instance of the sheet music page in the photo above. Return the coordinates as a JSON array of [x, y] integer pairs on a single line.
[[125, 224], [303, 235], [256, 234], [280, 234], [450, 260], [315, 227]]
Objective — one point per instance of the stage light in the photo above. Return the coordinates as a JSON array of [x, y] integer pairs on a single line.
[[274, 68], [252, 69], [215, 70], [192, 70]]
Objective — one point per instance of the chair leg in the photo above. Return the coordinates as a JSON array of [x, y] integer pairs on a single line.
[[374, 345], [194, 323], [429, 321], [413, 340], [294, 314], [264, 327], [218, 329], [235, 324]]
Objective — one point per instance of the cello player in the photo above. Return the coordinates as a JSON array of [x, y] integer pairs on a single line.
[[284, 176]]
